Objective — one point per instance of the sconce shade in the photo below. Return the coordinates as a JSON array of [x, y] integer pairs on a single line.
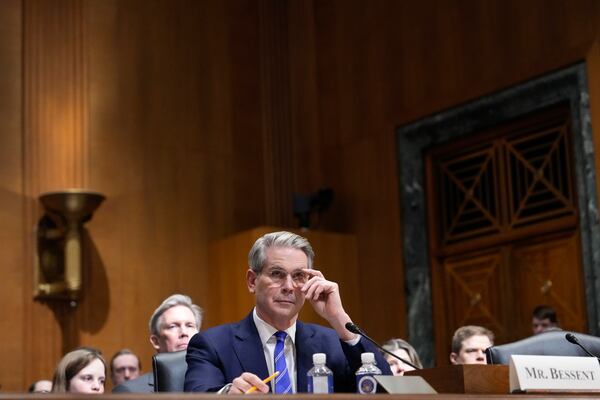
[[72, 204]]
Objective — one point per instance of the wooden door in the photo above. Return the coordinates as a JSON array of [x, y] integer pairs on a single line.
[[504, 234]]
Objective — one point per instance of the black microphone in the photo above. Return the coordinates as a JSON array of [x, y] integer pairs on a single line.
[[573, 339], [355, 329]]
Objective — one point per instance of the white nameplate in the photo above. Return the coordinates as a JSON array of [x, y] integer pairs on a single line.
[[554, 374]]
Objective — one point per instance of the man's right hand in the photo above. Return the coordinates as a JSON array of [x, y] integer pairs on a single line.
[[245, 381]]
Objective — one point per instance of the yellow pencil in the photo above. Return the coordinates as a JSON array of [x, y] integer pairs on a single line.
[[266, 380]]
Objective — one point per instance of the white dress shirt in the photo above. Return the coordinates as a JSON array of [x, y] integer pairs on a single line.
[[266, 332]]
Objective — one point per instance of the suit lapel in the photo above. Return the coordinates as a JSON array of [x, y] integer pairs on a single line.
[[305, 348], [249, 348]]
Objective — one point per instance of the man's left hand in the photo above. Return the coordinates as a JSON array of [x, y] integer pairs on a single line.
[[325, 298]]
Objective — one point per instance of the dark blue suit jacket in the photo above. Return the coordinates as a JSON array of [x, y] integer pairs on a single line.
[[220, 354]]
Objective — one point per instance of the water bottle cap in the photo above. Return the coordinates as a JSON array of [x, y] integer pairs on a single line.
[[367, 358], [319, 358]]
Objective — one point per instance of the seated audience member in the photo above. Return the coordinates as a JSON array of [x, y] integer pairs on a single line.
[[124, 366], [469, 344], [233, 358], [544, 319], [404, 350], [171, 325], [80, 371], [41, 386]]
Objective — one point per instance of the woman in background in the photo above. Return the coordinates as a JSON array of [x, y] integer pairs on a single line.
[[80, 371], [404, 350]]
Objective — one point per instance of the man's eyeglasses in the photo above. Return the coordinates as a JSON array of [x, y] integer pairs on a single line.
[[279, 276]]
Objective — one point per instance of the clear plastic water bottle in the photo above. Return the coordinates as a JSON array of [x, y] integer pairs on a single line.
[[365, 382], [319, 377]]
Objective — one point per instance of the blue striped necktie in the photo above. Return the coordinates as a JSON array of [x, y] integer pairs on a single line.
[[283, 384]]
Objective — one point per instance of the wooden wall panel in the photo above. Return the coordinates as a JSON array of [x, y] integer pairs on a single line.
[[12, 201], [54, 157], [55, 102], [354, 129], [180, 157], [277, 138]]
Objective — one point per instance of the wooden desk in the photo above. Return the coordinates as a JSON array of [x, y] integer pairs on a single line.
[[194, 396], [482, 379]]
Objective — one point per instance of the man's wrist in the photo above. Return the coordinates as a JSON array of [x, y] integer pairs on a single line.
[[339, 324], [353, 342]]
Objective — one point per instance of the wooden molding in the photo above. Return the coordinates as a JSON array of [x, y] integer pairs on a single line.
[[55, 153]]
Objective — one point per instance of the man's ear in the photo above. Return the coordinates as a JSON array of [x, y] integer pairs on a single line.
[[154, 342], [453, 357], [251, 280]]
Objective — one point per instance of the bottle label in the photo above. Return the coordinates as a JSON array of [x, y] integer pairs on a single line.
[[320, 384], [366, 384]]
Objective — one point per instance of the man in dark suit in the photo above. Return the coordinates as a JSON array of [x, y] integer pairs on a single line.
[[172, 325], [233, 358]]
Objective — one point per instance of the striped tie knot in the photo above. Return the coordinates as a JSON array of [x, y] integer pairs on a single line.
[[280, 336]]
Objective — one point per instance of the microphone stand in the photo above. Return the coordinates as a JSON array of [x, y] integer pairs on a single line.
[[355, 329], [573, 339]]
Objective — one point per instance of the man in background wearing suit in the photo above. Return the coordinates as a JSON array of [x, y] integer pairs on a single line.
[[172, 325], [234, 357]]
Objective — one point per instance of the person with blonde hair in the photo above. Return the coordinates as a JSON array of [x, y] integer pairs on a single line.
[[404, 350], [80, 371]]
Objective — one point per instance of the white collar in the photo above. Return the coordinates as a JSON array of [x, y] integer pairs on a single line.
[[266, 331]]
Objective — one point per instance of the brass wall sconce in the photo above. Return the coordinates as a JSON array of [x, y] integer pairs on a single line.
[[58, 269]]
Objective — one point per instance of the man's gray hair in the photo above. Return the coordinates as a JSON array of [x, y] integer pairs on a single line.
[[258, 256], [170, 302]]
